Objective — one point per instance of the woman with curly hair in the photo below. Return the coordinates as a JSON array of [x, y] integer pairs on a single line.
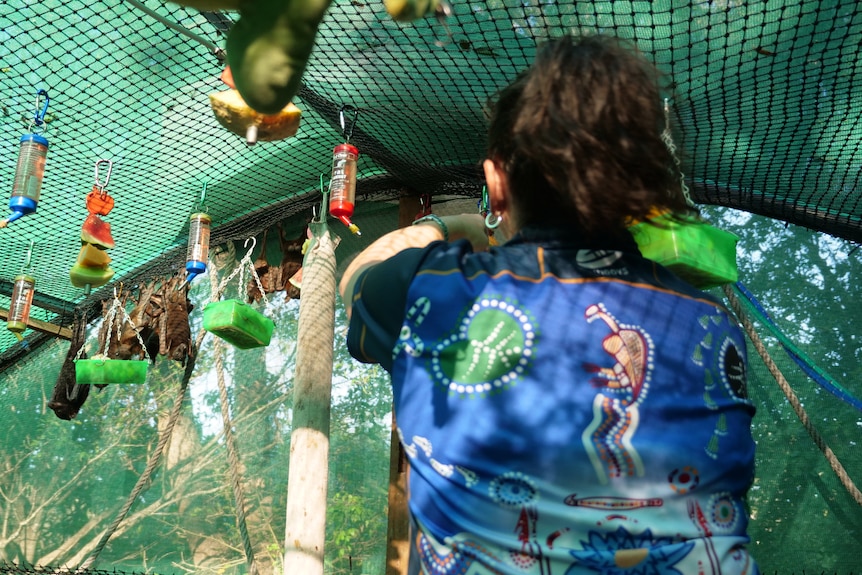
[[566, 405]]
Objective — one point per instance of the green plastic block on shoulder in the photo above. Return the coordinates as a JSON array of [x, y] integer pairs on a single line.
[[699, 253], [238, 323]]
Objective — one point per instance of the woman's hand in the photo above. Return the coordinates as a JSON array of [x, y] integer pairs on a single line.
[[470, 227]]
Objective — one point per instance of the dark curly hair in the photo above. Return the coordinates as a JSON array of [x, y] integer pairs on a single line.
[[579, 137]]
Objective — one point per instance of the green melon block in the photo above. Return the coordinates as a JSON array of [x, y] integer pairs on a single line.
[[105, 371], [238, 323]]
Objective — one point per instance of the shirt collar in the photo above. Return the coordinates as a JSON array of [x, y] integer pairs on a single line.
[[571, 237]]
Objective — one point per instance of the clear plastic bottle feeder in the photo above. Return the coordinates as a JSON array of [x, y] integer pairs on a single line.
[[342, 187], [30, 168], [342, 183], [22, 299], [199, 245]]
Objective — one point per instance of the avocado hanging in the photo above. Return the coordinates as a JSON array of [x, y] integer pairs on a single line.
[[269, 46], [235, 115]]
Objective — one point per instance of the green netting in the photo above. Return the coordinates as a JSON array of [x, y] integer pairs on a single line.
[[767, 97]]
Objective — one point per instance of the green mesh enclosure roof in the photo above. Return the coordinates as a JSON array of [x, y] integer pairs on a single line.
[[767, 97]]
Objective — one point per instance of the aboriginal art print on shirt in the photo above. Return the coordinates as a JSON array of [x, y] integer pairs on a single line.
[[489, 351], [504, 519], [623, 383]]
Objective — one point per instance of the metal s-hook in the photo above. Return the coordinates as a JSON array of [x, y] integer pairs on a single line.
[[28, 257], [253, 241], [347, 132], [99, 184]]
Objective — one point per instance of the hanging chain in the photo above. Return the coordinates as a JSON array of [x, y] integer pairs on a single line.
[[110, 318], [667, 138], [240, 269]]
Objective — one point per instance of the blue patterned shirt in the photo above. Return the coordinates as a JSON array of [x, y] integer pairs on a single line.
[[565, 409]]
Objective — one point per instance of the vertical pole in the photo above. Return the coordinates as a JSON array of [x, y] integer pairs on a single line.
[[308, 470]]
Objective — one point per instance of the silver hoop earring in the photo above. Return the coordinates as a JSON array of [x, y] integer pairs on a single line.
[[491, 224]]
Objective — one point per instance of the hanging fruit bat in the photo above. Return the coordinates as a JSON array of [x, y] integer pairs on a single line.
[[175, 334], [269, 276], [68, 396], [119, 338], [139, 324], [223, 258], [291, 261]]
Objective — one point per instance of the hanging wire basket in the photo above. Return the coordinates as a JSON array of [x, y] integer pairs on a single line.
[[102, 370]]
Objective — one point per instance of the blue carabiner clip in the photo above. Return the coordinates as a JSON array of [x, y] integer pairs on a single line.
[[39, 118], [483, 203]]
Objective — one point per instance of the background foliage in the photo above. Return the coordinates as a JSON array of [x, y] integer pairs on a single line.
[[63, 482]]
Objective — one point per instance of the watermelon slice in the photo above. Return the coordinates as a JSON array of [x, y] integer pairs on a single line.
[[97, 232]]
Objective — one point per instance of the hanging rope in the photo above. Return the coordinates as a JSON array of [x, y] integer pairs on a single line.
[[839, 470], [232, 453], [155, 458]]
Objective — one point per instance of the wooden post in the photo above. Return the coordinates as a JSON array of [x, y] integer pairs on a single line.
[[397, 532], [308, 470], [42, 326]]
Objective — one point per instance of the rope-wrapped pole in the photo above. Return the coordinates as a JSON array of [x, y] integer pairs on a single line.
[[308, 471]]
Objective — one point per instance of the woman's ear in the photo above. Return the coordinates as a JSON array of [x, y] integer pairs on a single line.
[[498, 187]]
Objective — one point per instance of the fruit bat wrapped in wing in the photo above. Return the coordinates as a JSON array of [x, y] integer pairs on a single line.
[[68, 396], [174, 331], [119, 335]]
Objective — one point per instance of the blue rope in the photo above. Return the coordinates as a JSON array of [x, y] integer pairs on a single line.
[[822, 378]]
